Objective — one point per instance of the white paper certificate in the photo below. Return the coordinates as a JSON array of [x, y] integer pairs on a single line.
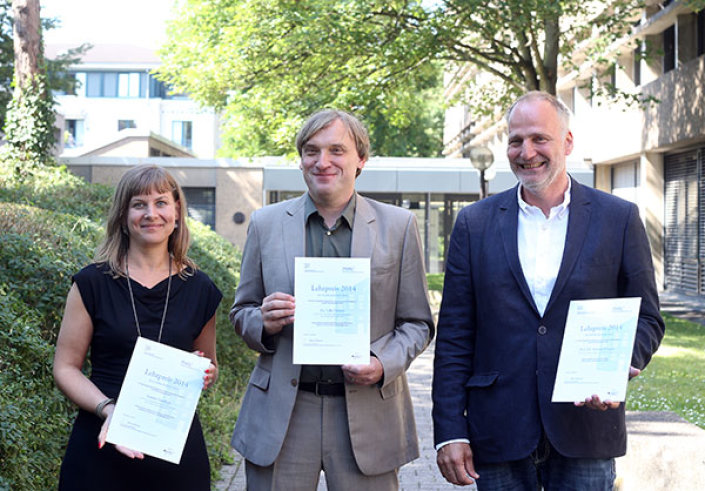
[[332, 324], [157, 401], [597, 349]]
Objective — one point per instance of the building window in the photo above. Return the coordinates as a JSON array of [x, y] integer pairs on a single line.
[[157, 89], [181, 132], [669, 49], [79, 88], [129, 84], [120, 84], [201, 205], [101, 84], [625, 180], [116, 84], [124, 124], [638, 56], [110, 84], [73, 133], [701, 32], [94, 85], [75, 84]]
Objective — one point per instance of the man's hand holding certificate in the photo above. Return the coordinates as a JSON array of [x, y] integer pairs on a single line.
[[157, 401], [597, 349]]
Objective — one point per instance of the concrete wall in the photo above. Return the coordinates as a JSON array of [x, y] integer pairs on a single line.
[[238, 190], [679, 117]]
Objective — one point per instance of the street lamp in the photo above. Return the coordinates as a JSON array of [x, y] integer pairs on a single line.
[[482, 159]]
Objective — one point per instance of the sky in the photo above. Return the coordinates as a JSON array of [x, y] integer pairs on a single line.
[[138, 22]]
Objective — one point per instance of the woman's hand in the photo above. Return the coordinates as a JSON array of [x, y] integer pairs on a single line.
[[210, 376], [133, 454], [211, 373]]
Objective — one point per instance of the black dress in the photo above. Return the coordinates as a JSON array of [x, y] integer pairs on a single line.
[[192, 302]]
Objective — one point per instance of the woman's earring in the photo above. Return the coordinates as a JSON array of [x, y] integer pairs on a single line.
[[176, 225]]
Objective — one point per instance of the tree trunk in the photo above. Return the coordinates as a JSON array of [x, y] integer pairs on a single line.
[[29, 123], [551, 49], [27, 41]]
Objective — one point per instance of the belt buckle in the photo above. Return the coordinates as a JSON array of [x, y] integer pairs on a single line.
[[316, 389]]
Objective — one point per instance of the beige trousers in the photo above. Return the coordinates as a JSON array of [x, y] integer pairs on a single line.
[[318, 439]]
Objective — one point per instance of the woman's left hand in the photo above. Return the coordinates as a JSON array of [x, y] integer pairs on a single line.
[[210, 374], [127, 452]]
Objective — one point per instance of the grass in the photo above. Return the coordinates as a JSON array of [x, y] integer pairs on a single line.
[[435, 281], [675, 378]]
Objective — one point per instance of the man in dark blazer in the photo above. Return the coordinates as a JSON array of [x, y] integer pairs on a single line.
[[515, 262], [355, 422]]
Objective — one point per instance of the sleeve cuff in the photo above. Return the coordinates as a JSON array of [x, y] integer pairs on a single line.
[[456, 440]]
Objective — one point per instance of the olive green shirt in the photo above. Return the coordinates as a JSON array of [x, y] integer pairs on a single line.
[[322, 241]]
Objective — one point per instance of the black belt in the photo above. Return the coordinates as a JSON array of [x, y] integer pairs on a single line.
[[323, 388]]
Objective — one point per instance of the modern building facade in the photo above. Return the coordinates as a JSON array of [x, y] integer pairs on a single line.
[[653, 155], [117, 91]]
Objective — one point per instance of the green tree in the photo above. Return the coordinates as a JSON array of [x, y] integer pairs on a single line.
[[269, 63], [55, 70], [7, 57], [29, 123]]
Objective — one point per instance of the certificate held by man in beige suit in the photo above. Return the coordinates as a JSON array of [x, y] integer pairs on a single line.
[[353, 421]]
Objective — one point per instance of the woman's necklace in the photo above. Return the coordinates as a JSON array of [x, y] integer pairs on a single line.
[[132, 300]]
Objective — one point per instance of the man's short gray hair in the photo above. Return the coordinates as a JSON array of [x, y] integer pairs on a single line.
[[561, 109]]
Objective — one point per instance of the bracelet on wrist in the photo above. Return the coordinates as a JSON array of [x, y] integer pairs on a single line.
[[101, 405]]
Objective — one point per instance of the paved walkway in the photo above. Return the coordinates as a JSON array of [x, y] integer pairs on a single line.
[[665, 452], [689, 307]]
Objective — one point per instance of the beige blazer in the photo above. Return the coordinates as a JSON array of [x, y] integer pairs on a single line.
[[381, 419]]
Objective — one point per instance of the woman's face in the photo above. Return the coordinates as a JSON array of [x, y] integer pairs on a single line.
[[151, 218]]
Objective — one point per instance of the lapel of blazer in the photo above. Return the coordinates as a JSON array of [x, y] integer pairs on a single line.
[[293, 228], [364, 235], [508, 225], [578, 222]]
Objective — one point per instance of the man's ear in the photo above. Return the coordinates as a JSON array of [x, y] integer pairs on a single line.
[[360, 165], [568, 143]]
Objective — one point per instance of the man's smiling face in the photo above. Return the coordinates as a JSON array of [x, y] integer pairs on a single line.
[[538, 145]]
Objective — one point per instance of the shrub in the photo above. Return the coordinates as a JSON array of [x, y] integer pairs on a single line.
[[54, 188], [34, 415]]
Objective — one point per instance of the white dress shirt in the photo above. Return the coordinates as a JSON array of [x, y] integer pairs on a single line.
[[541, 241]]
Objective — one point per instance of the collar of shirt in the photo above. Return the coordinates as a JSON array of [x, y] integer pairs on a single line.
[[541, 241], [348, 212], [556, 210]]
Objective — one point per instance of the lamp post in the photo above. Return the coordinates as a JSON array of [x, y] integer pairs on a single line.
[[481, 158]]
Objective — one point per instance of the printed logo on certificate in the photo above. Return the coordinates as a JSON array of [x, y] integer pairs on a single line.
[[158, 400], [597, 349], [332, 325]]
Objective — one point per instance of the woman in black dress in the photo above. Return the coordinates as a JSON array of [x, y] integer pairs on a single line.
[[142, 284]]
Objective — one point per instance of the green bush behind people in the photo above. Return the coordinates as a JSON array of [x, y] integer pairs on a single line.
[[50, 225]]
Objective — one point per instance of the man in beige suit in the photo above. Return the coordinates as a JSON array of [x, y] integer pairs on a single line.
[[354, 422]]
